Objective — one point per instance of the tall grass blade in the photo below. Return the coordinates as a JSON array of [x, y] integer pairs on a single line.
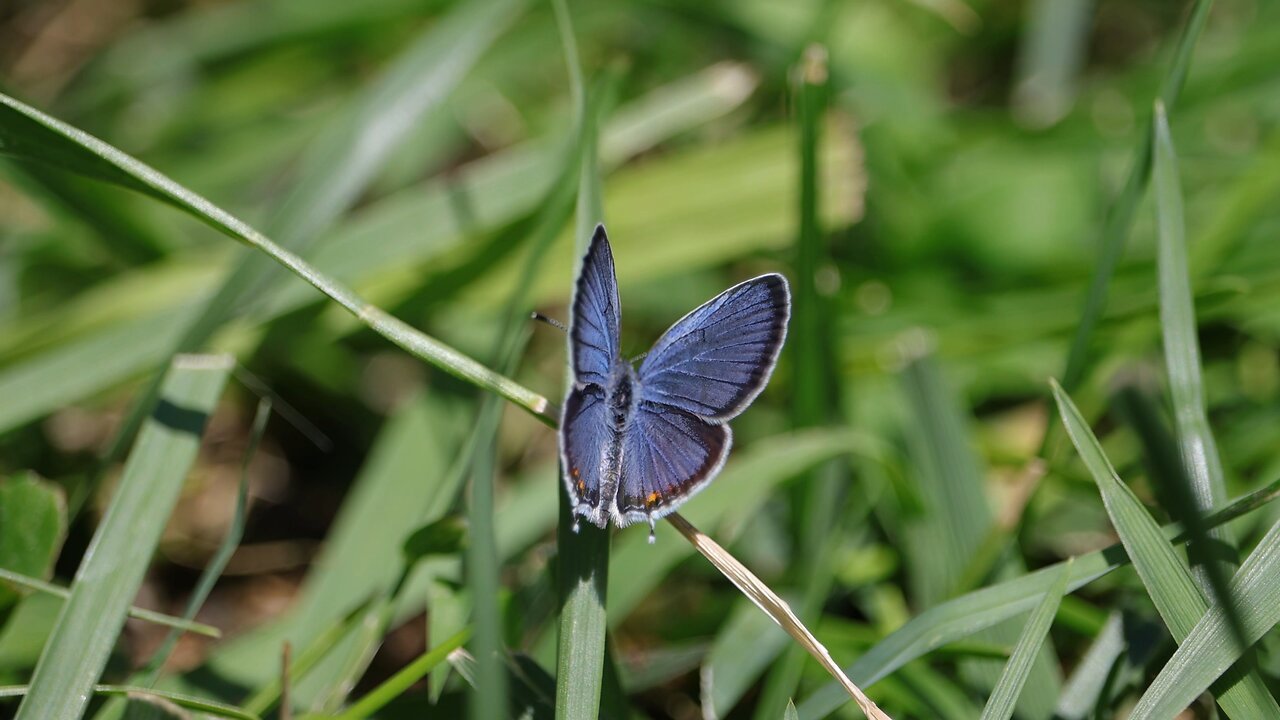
[[489, 699], [963, 616], [1164, 574], [1211, 648], [1182, 361], [1005, 696], [113, 567], [1115, 230], [212, 571], [813, 344]]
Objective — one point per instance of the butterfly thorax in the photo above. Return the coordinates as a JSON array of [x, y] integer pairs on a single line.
[[621, 394]]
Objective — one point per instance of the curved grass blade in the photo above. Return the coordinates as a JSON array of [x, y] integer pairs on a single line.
[[347, 157], [1164, 574], [36, 132], [1115, 230], [1203, 467], [113, 567], [965, 615], [189, 702], [1005, 696], [1211, 648]]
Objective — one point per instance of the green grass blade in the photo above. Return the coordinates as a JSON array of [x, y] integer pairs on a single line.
[[163, 697], [1182, 357], [345, 160], [28, 129], [1119, 219], [483, 564], [1163, 572], [116, 560], [812, 337], [1210, 649], [1005, 696], [212, 571], [397, 684], [1080, 693], [967, 614]]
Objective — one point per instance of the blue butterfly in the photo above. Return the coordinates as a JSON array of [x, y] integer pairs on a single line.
[[636, 443]]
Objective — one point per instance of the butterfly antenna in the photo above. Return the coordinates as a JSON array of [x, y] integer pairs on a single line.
[[639, 357], [550, 321]]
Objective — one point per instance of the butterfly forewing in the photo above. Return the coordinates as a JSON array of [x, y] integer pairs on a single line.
[[716, 359], [667, 455], [593, 327]]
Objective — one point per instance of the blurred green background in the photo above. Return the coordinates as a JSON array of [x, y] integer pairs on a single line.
[[967, 158]]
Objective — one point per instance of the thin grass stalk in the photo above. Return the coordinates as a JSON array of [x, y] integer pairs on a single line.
[[775, 607], [144, 178], [137, 613], [164, 698], [1119, 220]]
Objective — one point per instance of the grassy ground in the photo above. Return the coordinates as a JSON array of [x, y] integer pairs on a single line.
[[276, 437]]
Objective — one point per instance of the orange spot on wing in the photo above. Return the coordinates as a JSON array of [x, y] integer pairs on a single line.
[[653, 498]]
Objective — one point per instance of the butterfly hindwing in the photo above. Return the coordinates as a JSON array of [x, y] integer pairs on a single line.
[[589, 453], [593, 325], [715, 360], [667, 455]]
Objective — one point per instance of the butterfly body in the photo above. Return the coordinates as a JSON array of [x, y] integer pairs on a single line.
[[636, 443]]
